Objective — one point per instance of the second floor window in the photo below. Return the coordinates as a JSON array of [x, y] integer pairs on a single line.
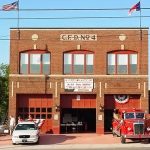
[[35, 63], [122, 63], [78, 63]]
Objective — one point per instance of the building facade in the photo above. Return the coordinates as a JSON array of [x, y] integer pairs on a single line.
[[73, 78]]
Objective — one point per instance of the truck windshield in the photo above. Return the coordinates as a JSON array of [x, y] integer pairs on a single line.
[[134, 115], [129, 116], [139, 115]]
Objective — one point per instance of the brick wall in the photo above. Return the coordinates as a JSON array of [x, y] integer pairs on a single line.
[[107, 40]]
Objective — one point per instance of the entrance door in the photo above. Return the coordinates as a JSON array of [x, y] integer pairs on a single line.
[[108, 116]]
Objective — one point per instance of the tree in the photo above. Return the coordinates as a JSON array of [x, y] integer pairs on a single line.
[[4, 75]]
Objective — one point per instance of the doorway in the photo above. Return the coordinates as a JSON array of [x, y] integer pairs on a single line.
[[78, 120], [108, 116]]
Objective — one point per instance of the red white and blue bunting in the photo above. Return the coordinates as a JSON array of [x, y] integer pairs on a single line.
[[121, 98]]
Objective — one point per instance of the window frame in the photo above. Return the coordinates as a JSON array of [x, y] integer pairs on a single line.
[[128, 53], [31, 52], [74, 52]]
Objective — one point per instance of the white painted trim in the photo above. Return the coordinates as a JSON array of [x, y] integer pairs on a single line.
[[144, 89], [100, 89], [55, 89], [94, 85], [61, 85], [139, 85], [24, 75], [84, 76], [18, 85], [34, 46], [105, 85]]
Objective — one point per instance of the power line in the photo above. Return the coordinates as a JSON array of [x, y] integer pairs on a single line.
[[77, 9], [54, 18], [73, 9]]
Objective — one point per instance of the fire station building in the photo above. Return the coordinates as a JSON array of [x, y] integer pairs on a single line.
[[74, 78]]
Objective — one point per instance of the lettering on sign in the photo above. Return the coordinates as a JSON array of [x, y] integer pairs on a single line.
[[82, 85], [78, 37]]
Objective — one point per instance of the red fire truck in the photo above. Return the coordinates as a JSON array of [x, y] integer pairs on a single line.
[[131, 124]]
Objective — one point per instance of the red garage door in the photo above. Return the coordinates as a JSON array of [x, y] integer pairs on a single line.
[[111, 103], [39, 106], [78, 101]]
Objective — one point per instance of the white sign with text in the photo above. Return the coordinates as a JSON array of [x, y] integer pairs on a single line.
[[78, 37], [85, 85]]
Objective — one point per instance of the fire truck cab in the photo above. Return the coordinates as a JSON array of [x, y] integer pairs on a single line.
[[131, 124]]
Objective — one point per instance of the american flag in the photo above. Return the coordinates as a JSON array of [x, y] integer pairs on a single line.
[[11, 6]]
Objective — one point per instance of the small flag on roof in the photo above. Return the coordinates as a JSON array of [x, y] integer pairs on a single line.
[[11, 6], [135, 7]]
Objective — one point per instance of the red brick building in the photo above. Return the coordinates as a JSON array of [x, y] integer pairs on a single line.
[[73, 78]]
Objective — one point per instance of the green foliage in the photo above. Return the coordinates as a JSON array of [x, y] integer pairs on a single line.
[[4, 74]]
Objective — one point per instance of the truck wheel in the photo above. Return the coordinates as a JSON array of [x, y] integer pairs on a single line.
[[14, 143], [123, 140], [113, 133]]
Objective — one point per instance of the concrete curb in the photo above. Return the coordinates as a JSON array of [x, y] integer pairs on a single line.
[[75, 146]]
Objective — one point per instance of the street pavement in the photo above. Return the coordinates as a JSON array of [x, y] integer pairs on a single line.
[[73, 141]]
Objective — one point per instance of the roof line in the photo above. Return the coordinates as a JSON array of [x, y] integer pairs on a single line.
[[81, 28]]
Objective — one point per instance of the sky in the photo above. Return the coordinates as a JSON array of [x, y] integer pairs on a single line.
[[67, 18]]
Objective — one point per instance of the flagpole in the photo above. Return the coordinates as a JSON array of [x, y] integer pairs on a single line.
[[140, 24], [18, 32], [141, 47], [18, 22]]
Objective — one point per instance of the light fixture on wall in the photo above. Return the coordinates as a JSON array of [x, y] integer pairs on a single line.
[[57, 108], [101, 108]]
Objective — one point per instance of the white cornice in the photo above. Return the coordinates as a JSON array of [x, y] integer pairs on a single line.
[[81, 76], [144, 28]]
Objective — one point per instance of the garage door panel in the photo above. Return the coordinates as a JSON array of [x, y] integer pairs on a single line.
[[74, 104], [38, 102], [87, 104], [32, 103], [81, 104], [49, 103], [93, 104], [39, 106], [78, 101], [44, 104]]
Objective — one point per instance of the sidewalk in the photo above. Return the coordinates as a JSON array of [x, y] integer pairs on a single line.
[[64, 139], [85, 138], [74, 141]]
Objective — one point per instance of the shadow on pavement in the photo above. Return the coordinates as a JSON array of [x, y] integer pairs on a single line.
[[47, 139], [5, 137]]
